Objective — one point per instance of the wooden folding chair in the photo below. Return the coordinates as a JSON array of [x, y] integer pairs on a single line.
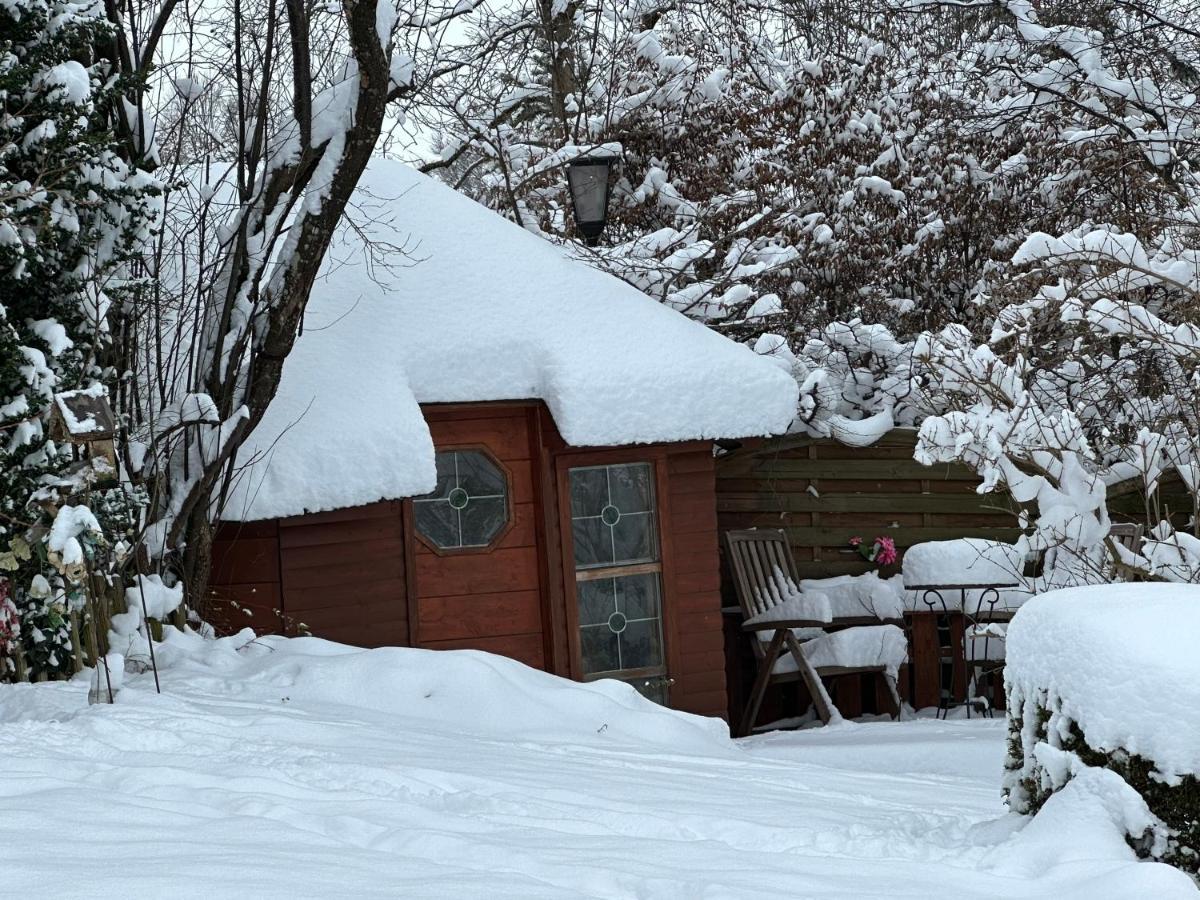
[[760, 561]]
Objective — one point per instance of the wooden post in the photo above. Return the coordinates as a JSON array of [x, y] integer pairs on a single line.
[[19, 657], [76, 642], [926, 660]]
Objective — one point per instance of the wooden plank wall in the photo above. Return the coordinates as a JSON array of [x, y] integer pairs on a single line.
[[824, 493], [489, 600], [692, 570], [343, 575], [244, 583]]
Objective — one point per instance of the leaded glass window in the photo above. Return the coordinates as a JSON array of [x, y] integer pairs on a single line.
[[469, 507], [618, 575], [612, 515]]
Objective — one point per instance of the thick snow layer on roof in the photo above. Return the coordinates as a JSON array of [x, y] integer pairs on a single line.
[[475, 308], [1120, 660]]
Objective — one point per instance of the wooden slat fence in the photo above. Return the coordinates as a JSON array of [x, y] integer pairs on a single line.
[[823, 493]]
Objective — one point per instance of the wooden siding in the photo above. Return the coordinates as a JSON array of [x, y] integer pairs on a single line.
[[244, 583], [343, 575], [693, 583], [824, 493]]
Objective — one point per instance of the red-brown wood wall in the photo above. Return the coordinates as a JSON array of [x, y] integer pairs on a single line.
[[352, 576]]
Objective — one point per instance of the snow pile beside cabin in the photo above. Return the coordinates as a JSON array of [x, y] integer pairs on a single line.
[[449, 302]]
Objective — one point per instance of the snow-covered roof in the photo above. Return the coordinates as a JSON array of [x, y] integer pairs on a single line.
[[478, 309]]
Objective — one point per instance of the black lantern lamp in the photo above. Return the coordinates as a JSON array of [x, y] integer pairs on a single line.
[[588, 178]]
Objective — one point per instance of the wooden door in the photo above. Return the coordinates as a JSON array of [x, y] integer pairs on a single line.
[[478, 583]]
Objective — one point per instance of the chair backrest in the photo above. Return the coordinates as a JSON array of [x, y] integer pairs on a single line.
[[1127, 534], [758, 559]]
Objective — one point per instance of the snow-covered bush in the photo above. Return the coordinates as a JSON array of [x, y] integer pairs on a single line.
[[73, 214], [1089, 375], [1108, 678]]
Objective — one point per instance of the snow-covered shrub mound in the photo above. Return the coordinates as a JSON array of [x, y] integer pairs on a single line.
[[1109, 677], [444, 691]]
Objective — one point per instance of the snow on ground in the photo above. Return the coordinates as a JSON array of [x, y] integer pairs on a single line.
[[305, 769]]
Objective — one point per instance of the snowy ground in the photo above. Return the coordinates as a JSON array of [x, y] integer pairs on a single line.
[[297, 769]]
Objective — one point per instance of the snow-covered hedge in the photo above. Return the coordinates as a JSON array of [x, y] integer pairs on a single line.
[[1109, 677]]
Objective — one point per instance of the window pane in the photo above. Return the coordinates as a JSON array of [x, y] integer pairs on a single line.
[[593, 543], [630, 488], [641, 645], [637, 596], [469, 506], [598, 647], [482, 521], [438, 521], [633, 539], [613, 523], [620, 623], [478, 475], [589, 491], [596, 601]]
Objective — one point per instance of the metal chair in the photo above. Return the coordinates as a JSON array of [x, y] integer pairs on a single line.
[[983, 623]]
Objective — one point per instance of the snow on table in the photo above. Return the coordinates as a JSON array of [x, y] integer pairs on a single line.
[[960, 562], [1119, 660], [954, 566], [300, 768]]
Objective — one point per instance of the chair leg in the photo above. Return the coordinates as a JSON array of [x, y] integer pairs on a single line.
[[765, 665], [893, 695], [820, 697]]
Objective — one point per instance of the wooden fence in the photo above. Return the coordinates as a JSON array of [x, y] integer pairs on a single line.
[[824, 493]]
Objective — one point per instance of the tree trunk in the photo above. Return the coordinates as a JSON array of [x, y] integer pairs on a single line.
[[197, 560]]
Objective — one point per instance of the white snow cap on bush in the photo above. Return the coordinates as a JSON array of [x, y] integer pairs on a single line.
[[160, 601], [1120, 661], [478, 310]]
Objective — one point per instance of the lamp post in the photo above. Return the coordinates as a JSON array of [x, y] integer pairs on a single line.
[[588, 178]]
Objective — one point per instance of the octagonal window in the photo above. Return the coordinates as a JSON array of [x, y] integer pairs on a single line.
[[469, 507]]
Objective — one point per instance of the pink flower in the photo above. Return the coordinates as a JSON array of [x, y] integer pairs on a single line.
[[885, 553], [855, 541]]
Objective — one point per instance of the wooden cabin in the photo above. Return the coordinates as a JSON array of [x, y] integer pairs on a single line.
[[495, 447]]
